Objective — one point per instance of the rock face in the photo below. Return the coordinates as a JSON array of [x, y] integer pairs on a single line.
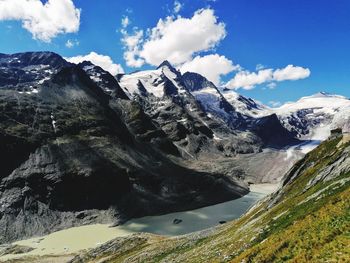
[[76, 150]]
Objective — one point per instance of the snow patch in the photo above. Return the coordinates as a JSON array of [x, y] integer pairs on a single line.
[[53, 121]]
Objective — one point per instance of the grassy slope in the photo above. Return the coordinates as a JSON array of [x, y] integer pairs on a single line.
[[298, 228]]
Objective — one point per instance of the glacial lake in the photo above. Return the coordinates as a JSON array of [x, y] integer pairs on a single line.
[[84, 237], [198, 219]]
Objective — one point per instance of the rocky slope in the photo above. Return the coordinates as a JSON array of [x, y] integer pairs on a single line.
[[306, 220], [76, 150]]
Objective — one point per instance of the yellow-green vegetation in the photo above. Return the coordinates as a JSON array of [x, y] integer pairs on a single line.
[[302, 222]]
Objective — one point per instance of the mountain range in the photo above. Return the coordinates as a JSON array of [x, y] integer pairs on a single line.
[[80, 146]]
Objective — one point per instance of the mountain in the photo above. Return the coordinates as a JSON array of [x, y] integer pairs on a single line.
[[314, 116], [76, 150], [309, 118], [204, 125], [166, 99], [238, 112], [193, 101], [306, 220]]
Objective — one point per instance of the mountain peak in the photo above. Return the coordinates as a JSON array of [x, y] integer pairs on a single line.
[[167, 64], [323, 94]]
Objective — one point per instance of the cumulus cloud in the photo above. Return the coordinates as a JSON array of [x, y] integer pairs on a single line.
[[291, 73], [210, 66], [248, 80], [176, 39], [43, 21], [103, 61]]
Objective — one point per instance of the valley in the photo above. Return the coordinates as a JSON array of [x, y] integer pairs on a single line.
[[84, 150], [174, 131]]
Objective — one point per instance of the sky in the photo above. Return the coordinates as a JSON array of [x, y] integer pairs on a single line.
[[273, 51]]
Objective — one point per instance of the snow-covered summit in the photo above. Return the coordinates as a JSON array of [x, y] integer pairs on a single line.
[[323, 100], [166, 64], [314, 116], [158, 82]]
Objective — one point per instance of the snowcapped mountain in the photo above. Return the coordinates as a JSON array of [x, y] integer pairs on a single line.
[[313, 117], [196, 115], [309, 118], [167, 100], [160, 82]]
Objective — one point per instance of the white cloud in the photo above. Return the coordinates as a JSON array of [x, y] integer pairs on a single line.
[[177, 6], [125, 21], [43, 21], [103, 61], [248, 80], [291, 73], [177, 39], [210, 66], [72, 43]]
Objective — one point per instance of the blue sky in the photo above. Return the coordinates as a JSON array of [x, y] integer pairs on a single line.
[[311, 35]]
